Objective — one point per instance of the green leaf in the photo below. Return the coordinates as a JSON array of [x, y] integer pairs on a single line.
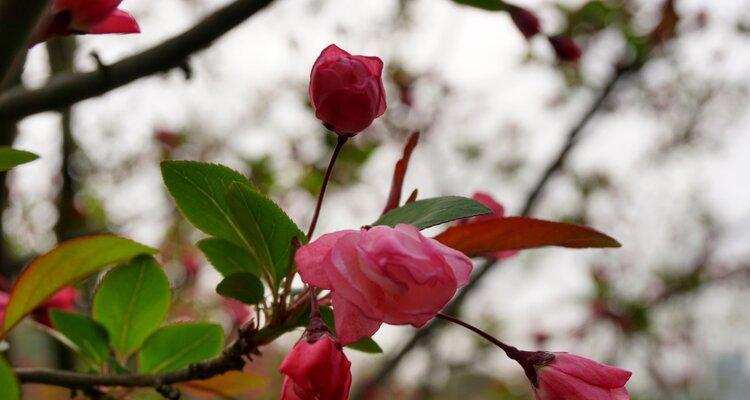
[[366, 344], [242, 286], [9, 387], [229, 258], [10, 158], [131, 302], [266, 230], [176, 346], [65, 265], [89, 336], [488, 5], [430, 212], [199, 189]]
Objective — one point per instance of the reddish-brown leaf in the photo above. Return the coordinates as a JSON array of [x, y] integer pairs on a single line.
[[516, 233], [394, 198]]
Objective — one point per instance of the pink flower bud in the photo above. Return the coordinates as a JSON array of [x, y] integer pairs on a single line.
[[347, 91], [525, 20], [316, 369], [570, 377], [382, 275], [70, 17], [565, 48]]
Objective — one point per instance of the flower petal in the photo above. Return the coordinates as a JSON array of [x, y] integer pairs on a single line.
[[351, 323], [117, 22]]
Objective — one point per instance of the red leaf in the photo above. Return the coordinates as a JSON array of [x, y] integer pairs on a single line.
[[516, 233], [394, 198]]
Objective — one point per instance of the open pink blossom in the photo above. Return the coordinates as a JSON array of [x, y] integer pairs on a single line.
[[316, 370], [571, 377], [346, 91], [382, 275], [71, 17]]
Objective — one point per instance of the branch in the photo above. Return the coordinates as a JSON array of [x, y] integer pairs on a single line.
[[531, 200], [248, 343], [18, 19], [68, 89]]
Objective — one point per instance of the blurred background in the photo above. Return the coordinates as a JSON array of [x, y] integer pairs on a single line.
[[661, 162]]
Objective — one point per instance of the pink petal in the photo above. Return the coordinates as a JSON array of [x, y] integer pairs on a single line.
[[620, 394], [332, 51], [373, 64], [489, 202], [590, 371], [117, 22], [351, 324], [310, 259]]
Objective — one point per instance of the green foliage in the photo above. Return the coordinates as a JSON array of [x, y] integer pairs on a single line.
[[89, 336], [131, 302], [229, 258], [176, 346], [9, 388], [595, 16], [262, 174], [221, 202], [264, 228], [10, 158], [242, 286], [65, 265], [488, 5], [430, 212], [366, 344], [199, 189]]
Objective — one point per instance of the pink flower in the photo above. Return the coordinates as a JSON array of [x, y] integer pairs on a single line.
[[382, 275], [346, 91], [316, 370], [64, 300], [570, 377], [525, 20], [498, 211], [70, 17], [565, 48]]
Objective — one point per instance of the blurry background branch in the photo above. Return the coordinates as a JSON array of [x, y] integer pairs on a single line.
[[18, 18], [67, 89]]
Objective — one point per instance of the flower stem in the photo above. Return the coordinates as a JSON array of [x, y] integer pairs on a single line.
[[509, 350], [529, 360], [339, 144]]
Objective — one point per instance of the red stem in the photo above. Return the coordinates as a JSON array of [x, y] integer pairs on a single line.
[[339, 144], [510, 351]]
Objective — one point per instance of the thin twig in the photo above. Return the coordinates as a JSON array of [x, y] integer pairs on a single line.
[[68, 89]]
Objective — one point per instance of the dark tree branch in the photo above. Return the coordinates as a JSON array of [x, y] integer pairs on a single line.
[[18, 19], [67, 89], [531, 201]]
